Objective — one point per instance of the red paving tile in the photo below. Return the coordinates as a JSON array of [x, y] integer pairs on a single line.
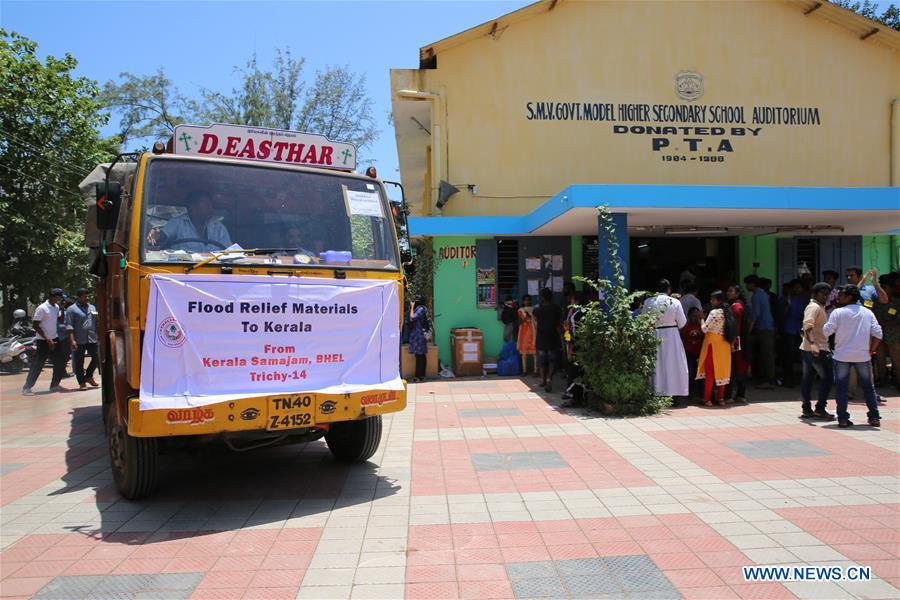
[[22, 586], [870, 538], [482, 572], [47, 568], [435, 572], [525, 554], [196, 564], [471, 556], [134, 566], [432, 590], [415, 557], [218, 594], [445, 467], [500, 588], [8, 569], [534, 412], [688, 578], [763, 591], [674, 562], [722, 592], [571, 551], [226, 579], [852, 457], [282, 578], [270, 593], [93, 566]]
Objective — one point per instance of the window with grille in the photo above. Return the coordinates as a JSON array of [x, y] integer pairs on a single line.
[[507, 268], [808, 252]]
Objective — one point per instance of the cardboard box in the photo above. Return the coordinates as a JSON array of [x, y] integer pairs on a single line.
[[467, 344], [408, 362], [490, 365]]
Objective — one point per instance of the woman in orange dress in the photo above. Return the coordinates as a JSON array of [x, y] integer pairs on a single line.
[[525, 341], [714, 364]]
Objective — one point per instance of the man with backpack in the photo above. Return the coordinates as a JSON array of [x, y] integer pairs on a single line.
[[508, 313]]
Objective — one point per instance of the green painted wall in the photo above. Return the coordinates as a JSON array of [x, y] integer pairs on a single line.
[[760, 249], [880, 251], [577, 261], [454, 302]]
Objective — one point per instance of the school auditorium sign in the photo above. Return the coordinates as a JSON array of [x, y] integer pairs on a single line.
[[680, 132]]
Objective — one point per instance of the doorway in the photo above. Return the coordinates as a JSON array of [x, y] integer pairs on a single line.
[[713, 260]]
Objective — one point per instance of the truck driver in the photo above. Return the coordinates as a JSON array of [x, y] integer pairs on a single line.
[[194, 231]]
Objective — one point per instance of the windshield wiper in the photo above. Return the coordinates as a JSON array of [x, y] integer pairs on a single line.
[[221, 253]]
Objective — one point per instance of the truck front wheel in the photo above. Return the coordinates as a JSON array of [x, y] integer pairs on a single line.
[[134, 461], [354, 441]]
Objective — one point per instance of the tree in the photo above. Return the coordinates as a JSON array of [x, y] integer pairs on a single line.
[[49, 121], [338, 107], [264, 98], [149, 106], [335, 103], [890, 16]]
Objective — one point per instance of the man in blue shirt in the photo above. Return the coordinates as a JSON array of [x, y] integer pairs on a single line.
[[82, 321], [762, 332], [869, 294]]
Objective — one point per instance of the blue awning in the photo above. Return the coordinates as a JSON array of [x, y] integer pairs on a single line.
[[621, 198]]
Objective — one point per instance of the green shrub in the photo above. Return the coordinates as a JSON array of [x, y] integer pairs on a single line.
[[616, 350]]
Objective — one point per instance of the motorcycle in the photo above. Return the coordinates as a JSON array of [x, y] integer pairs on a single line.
[[14, 353]]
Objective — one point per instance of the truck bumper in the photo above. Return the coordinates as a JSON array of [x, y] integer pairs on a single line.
[[279, 412]]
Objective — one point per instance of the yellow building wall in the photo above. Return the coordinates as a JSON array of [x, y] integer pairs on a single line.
[[749, 54]]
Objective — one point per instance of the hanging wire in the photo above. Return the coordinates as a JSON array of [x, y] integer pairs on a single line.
[[41, 181], [61, 165]]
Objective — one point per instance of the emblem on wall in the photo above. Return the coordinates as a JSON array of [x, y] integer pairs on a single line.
[[689, 85]]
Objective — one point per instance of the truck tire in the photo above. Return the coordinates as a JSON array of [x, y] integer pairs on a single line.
[[354, 441], [134, 461]]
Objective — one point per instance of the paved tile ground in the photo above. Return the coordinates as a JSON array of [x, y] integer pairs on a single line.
[[480, 489]]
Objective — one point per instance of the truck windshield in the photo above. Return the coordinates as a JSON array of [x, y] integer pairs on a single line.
[[194, 209]]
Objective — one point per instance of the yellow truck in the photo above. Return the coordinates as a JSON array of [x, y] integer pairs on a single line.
[[249, 291]]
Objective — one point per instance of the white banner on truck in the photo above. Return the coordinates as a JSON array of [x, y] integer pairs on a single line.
[[263, 144], [214, 338]]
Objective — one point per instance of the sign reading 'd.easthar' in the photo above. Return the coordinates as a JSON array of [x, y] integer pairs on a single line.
[[266, 145]]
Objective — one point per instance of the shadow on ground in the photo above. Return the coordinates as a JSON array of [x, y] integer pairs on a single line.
[[209, 489]]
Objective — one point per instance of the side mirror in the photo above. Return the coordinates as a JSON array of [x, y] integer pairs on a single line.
[[109, 197], [398, 212]]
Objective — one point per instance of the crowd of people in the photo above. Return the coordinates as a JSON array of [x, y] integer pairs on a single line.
[[543, 335], [841, 335], [66, 330], [710, 348]]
